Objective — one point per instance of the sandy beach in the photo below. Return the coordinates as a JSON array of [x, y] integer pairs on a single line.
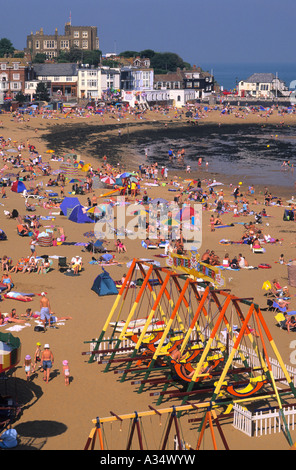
[[59, 417]]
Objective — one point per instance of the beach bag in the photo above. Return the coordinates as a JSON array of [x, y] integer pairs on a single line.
[[39, 328]]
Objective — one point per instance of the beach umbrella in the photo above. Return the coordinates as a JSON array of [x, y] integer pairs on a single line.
[[141, 212], [95, 210], [49, 151], [75, 180], [108, 180], [119, 181], [86, 167], [11, 150], [125, 175], [186, 213], [170, 222]]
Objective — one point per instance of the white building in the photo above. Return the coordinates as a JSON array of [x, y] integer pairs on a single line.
[[94, 82], [262, 85], [30, 88]]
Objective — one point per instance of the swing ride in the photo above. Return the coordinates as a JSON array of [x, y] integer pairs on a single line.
[[196, 341]]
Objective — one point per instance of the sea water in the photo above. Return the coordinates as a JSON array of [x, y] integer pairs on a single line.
[[228, 75], [253, 152]]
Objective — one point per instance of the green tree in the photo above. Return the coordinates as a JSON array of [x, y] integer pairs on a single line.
[[110, 63], [147, 54], [6, 47], [20, 97], [19, 55], [128, 54], [39, 58], [164, 62], [41, 92]]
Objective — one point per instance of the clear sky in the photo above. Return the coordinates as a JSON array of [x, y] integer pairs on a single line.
[[214, 31]]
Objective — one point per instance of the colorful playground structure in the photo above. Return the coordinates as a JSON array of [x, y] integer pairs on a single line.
[[195, 343]]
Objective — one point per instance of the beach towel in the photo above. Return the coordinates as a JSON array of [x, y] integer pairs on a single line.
[[148, 247], [19, 296]]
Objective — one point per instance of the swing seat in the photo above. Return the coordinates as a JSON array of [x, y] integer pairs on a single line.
[[167, 348], [255, 384], [151, 338], [182, 370], [192, 354]]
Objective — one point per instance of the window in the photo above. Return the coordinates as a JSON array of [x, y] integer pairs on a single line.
[[50, 54], [15, 86], [76, 34], [15, 66], [76, 43], [91, 83], [84, 44], [146, 79], [49, 44], [64, 44], [16, 76], [37, 44], [85, 34], [3, 66]]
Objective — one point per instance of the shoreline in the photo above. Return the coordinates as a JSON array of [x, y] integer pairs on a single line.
[[103, 140]]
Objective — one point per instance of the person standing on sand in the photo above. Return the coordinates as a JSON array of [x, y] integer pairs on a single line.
[[45, 309], [47, 360]]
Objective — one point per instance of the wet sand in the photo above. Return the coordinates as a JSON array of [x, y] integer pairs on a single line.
[[56, 417]]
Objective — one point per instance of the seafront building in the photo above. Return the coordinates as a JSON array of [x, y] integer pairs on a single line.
[[14, 72], [132, 79], [95, 83], [262, 85]]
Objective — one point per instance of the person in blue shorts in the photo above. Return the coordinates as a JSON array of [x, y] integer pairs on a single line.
[[47, 360]]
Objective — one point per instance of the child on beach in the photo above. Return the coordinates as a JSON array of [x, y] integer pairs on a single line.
[[66, 372], [212, 222], [281, 259], [37, 357], [27, 365]]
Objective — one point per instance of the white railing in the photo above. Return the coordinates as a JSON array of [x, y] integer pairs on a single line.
[[250, 354], [125, 347], [262, 422]]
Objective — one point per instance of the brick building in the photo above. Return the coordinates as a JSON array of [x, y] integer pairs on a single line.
[[13, 74]]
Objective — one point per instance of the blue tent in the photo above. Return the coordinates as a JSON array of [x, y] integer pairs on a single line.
[[69, 203], [104, 284], [77, 215]]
